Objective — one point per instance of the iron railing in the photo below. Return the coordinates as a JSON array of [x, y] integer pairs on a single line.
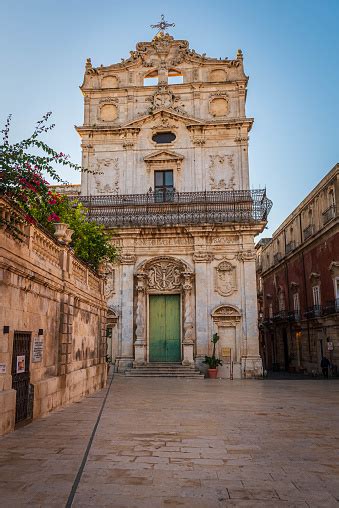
[[331, 307], [308, 231], [329, 214], [241, 206], [277, 257], [290, 246], [313, 311]]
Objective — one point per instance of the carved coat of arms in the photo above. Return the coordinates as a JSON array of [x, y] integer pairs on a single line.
[[225, 278]]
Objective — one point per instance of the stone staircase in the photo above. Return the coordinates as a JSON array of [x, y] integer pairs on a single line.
[[158, 369]]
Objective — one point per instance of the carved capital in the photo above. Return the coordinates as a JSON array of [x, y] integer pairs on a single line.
[[202, 257], [247, 255], [127, 259]]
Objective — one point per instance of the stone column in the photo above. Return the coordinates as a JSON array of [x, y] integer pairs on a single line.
[[126, 359], [251, 363], [201, 259], [188, 342], [140, 343]]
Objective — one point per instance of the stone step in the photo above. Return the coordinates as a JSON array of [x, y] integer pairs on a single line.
[[163, 369], [168, 374]]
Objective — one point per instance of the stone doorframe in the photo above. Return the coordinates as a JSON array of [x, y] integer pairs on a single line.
[[163, 275], [225, 316]]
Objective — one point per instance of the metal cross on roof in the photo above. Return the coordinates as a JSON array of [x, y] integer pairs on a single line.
[[162, 25]]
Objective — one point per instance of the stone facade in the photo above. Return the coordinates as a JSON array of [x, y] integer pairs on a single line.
[[196, 132], [298, 272], [55, 305]]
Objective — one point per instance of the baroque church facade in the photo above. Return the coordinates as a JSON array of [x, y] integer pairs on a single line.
[[165, 135]]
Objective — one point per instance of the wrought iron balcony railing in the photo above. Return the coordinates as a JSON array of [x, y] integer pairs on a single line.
[[308, 231], [242, 206], [331, 307], [329, 214], [282, 315], [277, 257], [290, 246], [314, 311], [294, 315]]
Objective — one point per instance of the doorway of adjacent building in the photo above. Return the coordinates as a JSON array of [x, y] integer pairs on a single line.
[[21, 375], [164, 328]]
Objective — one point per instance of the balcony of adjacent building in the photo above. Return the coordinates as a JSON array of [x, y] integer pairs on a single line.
[[329, 214], [308, 231], [314, 311], [331, 307], [170, 208]]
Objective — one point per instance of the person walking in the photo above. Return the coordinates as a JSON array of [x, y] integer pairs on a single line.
[[324, 364]]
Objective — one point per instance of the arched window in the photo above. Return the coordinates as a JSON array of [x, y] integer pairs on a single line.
[[151, 79], [175, 77]]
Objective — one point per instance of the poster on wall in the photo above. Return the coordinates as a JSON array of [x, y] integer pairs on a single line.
[[2, 368], [20, 364], [38, 346]]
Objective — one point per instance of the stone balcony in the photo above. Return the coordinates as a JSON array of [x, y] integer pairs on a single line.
[[172, 208]]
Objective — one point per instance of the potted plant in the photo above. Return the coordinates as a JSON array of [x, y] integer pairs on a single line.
[[212, 361]]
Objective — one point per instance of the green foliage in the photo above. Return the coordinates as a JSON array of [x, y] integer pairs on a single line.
[[22, 181], [212, 361]]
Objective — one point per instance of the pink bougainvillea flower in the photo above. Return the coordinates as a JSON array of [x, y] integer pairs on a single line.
[[30, 219], [53, 217]]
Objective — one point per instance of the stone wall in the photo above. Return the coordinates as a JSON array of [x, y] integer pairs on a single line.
[[46, 292]]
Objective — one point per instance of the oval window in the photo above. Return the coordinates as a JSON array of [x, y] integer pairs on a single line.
[[163, 137]]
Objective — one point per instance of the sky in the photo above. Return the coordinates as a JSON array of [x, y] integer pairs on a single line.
[[291, 54]]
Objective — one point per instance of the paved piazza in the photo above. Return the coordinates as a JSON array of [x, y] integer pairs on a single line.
[[186, 443]]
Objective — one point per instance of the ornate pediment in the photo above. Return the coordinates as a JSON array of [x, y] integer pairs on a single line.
[[164, 158], [226, 315], [160, 116]]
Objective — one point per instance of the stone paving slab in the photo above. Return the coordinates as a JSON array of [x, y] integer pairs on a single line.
[[179, 443]]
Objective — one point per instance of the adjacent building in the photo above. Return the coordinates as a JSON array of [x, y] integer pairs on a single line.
[[165, 137], [53, 318], [298, 284]]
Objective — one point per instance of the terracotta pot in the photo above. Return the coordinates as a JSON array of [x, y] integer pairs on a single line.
[[212, 373]]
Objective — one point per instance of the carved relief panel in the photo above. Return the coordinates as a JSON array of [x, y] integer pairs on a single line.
[[164, 275], [225, 281], [107, 169], [221, 172]]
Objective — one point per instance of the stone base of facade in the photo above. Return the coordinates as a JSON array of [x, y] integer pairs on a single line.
[[54, 392], [251, 367], [122, 363], [7, 411]]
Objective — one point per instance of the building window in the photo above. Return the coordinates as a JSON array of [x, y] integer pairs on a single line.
[[281, 300], [163, 185], [336, 288], [152, 79], [296, 305], [175, 77], [163, 137], [316, 296]]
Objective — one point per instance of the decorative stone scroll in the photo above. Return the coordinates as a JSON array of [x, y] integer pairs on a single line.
[[225, 281]]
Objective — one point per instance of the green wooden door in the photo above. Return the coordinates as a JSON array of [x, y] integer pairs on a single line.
[[164, 328]]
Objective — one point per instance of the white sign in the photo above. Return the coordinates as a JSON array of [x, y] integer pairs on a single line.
[[2, 368], [330, 346], [38, 346], [20, 364]]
